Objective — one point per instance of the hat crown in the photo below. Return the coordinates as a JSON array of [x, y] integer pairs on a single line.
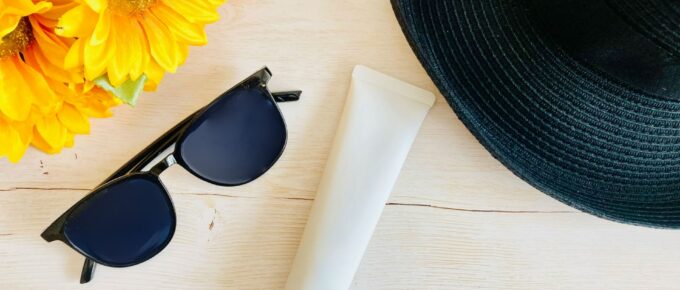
[[634, 42]]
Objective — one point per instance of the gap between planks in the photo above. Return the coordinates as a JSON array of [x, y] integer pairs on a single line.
[[422, 205]]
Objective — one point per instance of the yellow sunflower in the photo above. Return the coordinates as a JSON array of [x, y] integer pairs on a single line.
[[41, 103], [124, 39]]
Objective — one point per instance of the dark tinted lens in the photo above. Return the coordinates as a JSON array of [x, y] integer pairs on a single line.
[[124, 223], [236, 139]]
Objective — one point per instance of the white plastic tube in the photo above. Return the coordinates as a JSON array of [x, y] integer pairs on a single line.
[[380, 121]]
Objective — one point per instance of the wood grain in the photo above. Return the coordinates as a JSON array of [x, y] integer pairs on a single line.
[[457, 218]]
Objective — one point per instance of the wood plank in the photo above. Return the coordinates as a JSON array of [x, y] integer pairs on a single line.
[[226, 242]]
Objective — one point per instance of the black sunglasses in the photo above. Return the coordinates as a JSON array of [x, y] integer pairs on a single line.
[[130, 217]]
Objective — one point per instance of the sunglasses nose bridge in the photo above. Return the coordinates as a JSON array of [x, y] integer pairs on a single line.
[[164, 164]]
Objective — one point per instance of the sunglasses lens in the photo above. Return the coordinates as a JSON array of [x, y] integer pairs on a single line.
[[123, 223], [236, 139]]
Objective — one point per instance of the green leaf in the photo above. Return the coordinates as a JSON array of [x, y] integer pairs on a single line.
[[128, 92]]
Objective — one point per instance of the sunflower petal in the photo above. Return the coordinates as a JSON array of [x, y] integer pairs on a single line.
[[26, 7], [52, 131], [96, 103], [185, 31], [183, 52], [11, 143], [56, 49], [119, 66], [77, 22], [59, 9], [97, 5], [37, 59], [5, 142], [163, 45], [216, 2], [15, 97], [25, 130], [96, 58], [40, 143], [73, 119], [70, 139], [36, 85], [74, 56], [17, 148], [155, 74], [139, 51], [194, 10], [101, 30]]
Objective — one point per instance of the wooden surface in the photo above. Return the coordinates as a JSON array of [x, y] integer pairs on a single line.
[[457, 218]]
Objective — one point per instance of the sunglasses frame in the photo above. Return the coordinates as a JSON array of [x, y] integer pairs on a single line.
[[143, 160]]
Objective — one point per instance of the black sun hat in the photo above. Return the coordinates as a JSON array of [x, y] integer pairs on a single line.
[[580, 98]]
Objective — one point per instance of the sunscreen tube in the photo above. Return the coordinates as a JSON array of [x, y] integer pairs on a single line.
[[380, 121]]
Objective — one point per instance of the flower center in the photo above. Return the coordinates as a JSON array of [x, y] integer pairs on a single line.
[[130, 6], [16, 41]]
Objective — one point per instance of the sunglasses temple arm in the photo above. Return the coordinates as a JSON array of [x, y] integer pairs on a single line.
[[88, 271], [287, 96]]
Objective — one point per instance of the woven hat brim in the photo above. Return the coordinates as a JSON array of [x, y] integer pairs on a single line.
[[573, 133]]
